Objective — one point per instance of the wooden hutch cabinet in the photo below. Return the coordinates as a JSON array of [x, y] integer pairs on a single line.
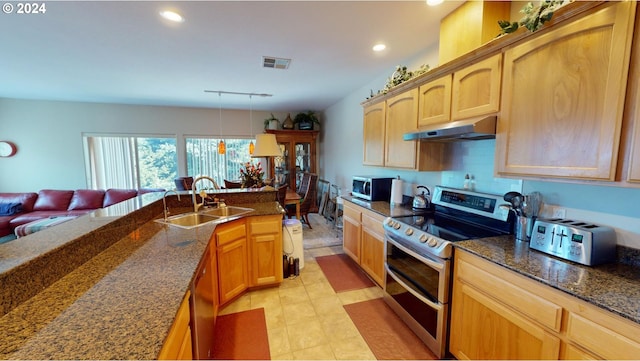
[[298, 155]]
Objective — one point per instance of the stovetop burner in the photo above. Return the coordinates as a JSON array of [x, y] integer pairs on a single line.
[[459, 215]]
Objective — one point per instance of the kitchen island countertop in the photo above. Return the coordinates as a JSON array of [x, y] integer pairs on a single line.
[[121, 303]]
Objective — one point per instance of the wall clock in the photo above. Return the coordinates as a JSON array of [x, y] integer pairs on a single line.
[[7, 149]]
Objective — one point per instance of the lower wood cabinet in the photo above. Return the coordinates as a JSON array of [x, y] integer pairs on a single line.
[[178, 345], [265, 244], [363, 239], [499, 314], [233, 262]]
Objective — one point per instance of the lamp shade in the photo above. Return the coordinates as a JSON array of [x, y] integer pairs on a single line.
[[266, 146]]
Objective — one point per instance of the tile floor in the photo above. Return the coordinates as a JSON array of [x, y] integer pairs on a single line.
[[305, 317]]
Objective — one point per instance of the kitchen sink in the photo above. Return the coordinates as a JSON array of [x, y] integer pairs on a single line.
[[224, 212], [189, 220]]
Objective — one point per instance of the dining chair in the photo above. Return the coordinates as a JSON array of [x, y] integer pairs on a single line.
[[231, 184], [281, 194], [308, 200], [183, 183]]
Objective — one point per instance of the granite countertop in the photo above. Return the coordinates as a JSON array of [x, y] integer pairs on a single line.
[[121, 302], [382, 207], [613, 287]]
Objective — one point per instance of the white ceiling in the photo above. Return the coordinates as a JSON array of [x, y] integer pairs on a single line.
[[123, 52]]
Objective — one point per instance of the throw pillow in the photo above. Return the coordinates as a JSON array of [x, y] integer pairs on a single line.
[[9, 209]]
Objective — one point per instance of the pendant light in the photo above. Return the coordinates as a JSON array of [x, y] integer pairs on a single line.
[[222, 148], [251, 146]]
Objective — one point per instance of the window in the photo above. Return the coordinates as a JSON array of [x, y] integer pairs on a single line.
[[203, 158], [130, 162]]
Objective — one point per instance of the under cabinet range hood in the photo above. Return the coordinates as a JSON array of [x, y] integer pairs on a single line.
[[459, 130]]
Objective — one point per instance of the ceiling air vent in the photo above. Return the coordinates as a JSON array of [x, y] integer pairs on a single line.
[[275, 63]]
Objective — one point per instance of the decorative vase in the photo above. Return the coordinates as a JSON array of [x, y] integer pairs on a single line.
[[288, 122], [273, 124]]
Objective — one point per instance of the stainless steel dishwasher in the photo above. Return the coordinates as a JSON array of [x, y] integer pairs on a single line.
[[202, 310]]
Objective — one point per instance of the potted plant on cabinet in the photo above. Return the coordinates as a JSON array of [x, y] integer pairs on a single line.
[[271, 123], [306, 121]]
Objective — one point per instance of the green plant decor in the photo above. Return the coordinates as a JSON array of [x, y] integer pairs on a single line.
[[534, 16], [399, 76], [306, 120]]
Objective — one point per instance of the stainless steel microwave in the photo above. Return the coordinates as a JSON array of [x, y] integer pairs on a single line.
[[372, 188]]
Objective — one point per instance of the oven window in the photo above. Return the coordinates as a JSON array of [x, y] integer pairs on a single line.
[[425, 315], [416, 274]]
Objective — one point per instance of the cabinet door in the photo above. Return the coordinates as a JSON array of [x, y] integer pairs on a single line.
[[484, 329], [233, 270], [373, 134], [563, 98], [476, 89], [571, 352], [351, 232], [177, 345], [372, 257], [265, 239], [435, 101], [402, 117]]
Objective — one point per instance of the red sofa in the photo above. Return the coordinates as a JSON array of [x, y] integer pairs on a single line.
[[49, 202]]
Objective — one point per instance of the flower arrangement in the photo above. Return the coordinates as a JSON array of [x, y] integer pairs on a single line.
[[251, 175]]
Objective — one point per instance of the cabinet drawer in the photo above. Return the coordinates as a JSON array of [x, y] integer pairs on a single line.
[[351, 212], [373, 223], [230, 232], [537, 308], [265, 225], [602, 340]]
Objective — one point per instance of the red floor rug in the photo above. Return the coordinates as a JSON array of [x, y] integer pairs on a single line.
[[241, 336], [386, 334], [343, 273]]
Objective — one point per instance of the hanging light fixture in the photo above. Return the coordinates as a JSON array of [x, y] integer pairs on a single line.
[[222, 148], [251, 146]]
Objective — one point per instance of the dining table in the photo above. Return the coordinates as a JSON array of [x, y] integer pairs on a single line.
[[293, 198]]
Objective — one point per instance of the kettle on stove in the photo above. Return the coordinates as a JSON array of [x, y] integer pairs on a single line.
[[421, 201]]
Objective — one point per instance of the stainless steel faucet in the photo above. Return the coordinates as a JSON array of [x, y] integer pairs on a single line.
[[164, 202], [196, 206]]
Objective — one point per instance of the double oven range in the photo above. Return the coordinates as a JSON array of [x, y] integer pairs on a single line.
[[419, 251]]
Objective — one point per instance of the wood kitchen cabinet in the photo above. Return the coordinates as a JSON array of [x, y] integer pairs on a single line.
[[351, 230], [563, 98], [476, 89], [178, 345], [499, 314], [631, 124], [435, 101], [265, 241], [471, 91], [299, 149], [372, 255], [373, 134], [363, 239], [232, 256], [401, 118]]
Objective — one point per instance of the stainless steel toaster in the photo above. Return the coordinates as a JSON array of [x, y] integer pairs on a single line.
[[581, 242]]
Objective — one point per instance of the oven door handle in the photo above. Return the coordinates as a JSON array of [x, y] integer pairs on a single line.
[[431, 263], [436, 306]]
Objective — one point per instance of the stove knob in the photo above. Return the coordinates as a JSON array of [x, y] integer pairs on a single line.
[[396, 225], [432, 242], [423, 238], [408, 232], [389, 222]]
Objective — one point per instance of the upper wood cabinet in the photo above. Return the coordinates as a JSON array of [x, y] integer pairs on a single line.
[[435, 101], [476, 89], [563, 98], [402, 117], [631, 124], [373, 134]]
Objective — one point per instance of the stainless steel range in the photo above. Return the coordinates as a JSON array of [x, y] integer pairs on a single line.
[[419, 255]]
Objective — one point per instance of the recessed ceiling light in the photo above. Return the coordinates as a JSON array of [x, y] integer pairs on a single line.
[[379, 47], [434, 2], [172, 16]]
